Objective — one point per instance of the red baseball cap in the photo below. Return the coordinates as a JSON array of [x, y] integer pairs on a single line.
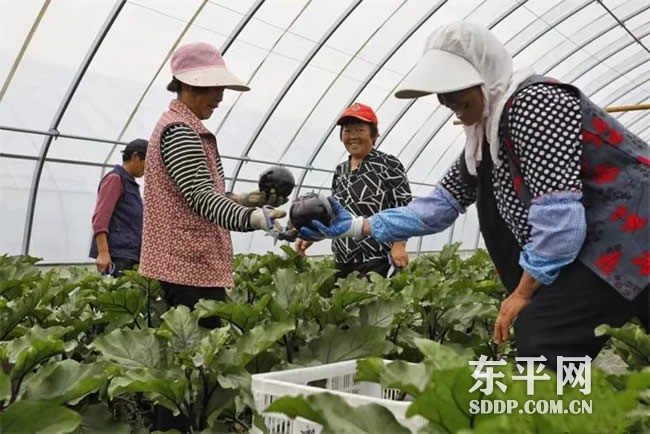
[[359, 111]]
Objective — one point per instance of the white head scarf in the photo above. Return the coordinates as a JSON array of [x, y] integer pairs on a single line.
[[494, 63]]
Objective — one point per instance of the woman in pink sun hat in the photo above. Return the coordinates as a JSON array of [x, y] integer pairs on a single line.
[[188, 216]]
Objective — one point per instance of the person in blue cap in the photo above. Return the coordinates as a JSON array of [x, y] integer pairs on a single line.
[[117, 219]]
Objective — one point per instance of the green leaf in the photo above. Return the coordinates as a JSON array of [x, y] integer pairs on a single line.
[[67, 381], [97, 419], [407, 377], [38, 417], [183, 328], [5, 386], [19, 309], [39, 352], [130, 348], [381, 313], [165, 387], [16, 271], [123, 305], [243, 315], [295, 292], [630, 342], [16, 346], [254, 342], [461, 315], [445, 400], [439, 356], [293, 407], [338, 417], [210, 346], [220, 400], [336, 345]]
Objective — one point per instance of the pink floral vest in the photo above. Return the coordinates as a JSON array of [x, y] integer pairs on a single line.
[[179, 246]]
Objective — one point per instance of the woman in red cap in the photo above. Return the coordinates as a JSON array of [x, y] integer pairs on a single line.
[[561, 188], [368, 182]]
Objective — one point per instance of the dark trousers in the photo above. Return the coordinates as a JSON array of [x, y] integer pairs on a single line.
[[177, 295], [561, 317], [379, 266]]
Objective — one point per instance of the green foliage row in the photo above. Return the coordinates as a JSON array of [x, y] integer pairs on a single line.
[[90, 354]]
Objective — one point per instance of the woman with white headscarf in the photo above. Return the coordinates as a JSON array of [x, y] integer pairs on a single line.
[[561, 190]]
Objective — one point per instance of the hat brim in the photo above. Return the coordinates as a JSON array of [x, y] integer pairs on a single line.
[[210, 77], [348, 116], [439, 71]]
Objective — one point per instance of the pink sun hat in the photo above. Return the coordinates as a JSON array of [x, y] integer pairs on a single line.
[[200, 64]]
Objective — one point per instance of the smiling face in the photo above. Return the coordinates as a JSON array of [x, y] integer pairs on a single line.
[[467, 104], [202, 100], [358, 137]]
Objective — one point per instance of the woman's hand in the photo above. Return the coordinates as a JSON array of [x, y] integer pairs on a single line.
[[344, 225], [399, 254], [265, 218], [302, 246], [511, 307], [103, 262]]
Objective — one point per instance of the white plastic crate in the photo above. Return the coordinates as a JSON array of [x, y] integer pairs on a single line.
[[335, 378]]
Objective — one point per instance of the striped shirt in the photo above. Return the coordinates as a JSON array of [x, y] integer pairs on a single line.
[[185, 161]]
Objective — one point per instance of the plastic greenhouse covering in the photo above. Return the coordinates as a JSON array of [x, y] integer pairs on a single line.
[[79, 78]]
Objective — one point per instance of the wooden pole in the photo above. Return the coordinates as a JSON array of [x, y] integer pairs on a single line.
[[622, 108]]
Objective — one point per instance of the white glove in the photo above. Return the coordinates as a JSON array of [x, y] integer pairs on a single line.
[[264, 218]]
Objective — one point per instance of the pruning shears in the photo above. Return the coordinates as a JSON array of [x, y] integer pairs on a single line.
[[278, 232]]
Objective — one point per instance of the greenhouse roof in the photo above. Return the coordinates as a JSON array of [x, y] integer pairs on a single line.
[[80, 78]]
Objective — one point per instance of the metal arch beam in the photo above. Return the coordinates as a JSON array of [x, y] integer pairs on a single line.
[[370, 76], [616, 77], [23, 48], [285, 31], [241, 26], [620, 23], [620, 92], [58, 116], [224, 48], [636, 120], [550, 27], [56, 134], [593, 38], [314, 106], [643, 131], [93, 164], [289, 85], [588, 69]]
